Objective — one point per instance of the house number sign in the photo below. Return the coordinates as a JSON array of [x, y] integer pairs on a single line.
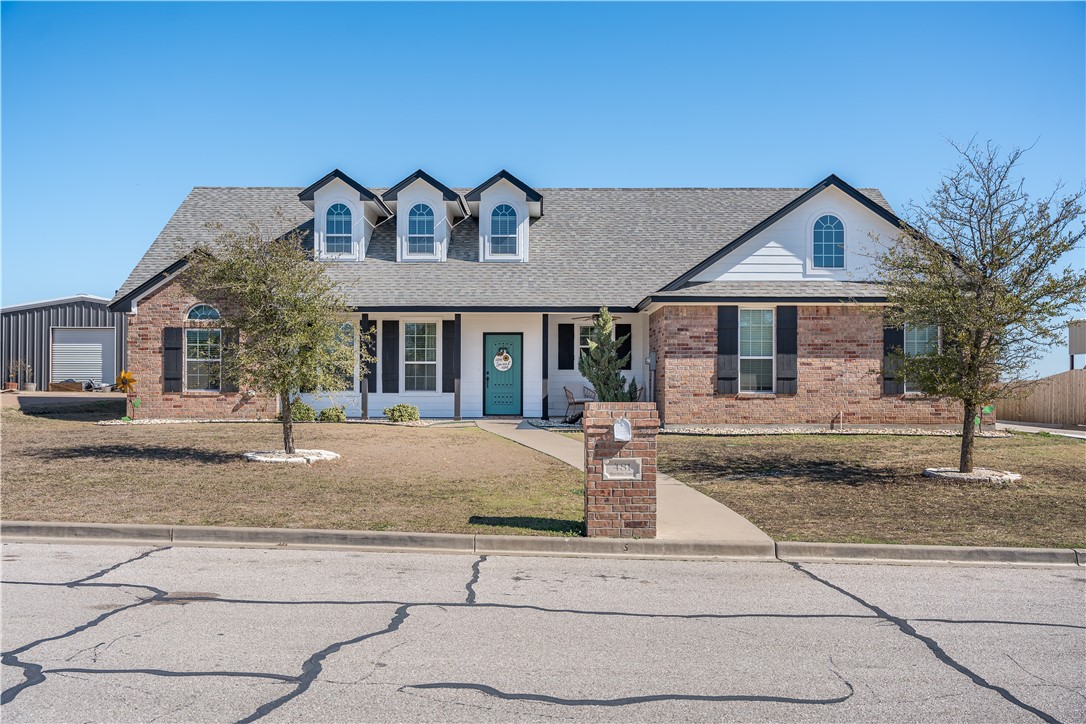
[[502, 361]]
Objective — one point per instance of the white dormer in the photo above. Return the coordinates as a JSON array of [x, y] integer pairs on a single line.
[[504, 206], [344, 216], [426, 211]]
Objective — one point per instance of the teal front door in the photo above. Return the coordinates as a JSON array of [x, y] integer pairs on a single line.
[[503, 368]]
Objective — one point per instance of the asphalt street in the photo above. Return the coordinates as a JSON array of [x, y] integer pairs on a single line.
[[126, 634]]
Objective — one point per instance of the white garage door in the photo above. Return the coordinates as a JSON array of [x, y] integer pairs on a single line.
[[83, 354]]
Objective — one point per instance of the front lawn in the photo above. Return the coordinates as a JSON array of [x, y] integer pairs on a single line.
[[441, 479], [868, 489]]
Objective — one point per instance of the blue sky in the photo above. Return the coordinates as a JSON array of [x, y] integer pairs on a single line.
[[112, 112]]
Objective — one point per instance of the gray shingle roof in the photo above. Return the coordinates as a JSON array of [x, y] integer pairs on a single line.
[[800, 289], [593, 246]]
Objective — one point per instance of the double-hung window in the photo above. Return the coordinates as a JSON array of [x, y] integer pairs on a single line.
[[420, 230], [920, 340], [583, 335], [337, 237], [755, 350], [503, 230], [203, 359], [420, 357]]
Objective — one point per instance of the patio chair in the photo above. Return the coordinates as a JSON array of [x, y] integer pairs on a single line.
[[572, 402], [589, 393]]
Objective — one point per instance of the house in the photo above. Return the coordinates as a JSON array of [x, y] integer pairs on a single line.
[[74, 340], [743, 305]]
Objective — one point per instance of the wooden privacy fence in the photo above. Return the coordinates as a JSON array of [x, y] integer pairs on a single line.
[[1056, 400]]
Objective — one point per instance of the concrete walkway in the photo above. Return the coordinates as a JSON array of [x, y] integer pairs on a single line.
[[1038, 427], [682, 512]]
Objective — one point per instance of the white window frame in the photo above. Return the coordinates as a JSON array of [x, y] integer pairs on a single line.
[[321, 224], [938, 348], [809, 244], [772, 357], [436, 321], [486, 211], [189, 360]]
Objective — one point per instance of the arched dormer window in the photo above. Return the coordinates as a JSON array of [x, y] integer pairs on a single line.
[[829, 243], [202, 313], [337, 238], [420, 230], [503, 230]]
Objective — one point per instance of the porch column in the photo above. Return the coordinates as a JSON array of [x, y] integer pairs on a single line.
[[546, 355], [364, 382], [456, 382]]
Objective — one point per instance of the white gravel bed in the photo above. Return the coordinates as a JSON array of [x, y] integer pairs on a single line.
[[282, 456], [979, 475]]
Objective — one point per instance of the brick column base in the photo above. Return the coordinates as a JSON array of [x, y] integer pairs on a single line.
[[620, 477]]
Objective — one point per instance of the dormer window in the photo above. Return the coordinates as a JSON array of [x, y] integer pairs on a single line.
[[337, 239], [420, 230], [503, 230]]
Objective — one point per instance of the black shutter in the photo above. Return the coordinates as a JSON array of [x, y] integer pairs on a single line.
[[448, 356], [892, 341], [230, 339], [173, 359], [625, 330], [390, 356], [371, 347], [787, 347], [566, 346], [727, 350]]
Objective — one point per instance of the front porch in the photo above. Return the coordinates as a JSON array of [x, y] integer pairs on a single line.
[[473, 364]]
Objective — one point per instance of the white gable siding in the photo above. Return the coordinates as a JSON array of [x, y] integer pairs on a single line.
[[783, 251]]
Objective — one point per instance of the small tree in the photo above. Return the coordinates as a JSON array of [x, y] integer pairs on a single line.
[[602, 366], [984, 262], [288, 313]]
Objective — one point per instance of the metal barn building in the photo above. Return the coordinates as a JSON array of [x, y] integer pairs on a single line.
[[74, 338]]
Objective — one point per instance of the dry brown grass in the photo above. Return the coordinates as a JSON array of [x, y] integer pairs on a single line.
[[444, 479], [868, 489]]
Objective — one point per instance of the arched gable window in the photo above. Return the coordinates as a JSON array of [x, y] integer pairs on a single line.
[[829, 243], [202, 313], [337, 238], [420, 230], [503, 230]]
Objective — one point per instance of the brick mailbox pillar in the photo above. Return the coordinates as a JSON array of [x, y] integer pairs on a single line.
[[620, 477]]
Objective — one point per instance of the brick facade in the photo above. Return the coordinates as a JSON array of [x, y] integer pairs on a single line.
[[620, 508], [167, 307], [840, 349]]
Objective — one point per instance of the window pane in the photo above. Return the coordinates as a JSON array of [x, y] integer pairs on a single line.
[[755, 375], [420, 230], [755, 332], [921, 340], [203, 343], [203, 311], [420, 342]]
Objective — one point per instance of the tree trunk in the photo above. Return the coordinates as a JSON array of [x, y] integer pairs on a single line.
[[288, 423], [965, 465]]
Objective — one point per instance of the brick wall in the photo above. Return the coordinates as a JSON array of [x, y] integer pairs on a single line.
[[167, 307], [839, 355], [620, 508]]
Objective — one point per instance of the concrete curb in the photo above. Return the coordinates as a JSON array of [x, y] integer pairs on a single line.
[[869, 553], [513, 545]]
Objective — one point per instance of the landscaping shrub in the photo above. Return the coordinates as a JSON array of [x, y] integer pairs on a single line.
[[301, 412], [335, 413], [402, 413]]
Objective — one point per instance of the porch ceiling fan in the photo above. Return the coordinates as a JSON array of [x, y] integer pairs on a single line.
[[594, 317]]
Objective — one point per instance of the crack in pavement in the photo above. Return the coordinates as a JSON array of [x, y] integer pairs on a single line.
[[312, 666], [628, 700], [474, 579], [942, 656]]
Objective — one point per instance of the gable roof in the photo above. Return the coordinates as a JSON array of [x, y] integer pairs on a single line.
[[476, 193], [91, 298], [364, 194], [612, 246], [866, 199]]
